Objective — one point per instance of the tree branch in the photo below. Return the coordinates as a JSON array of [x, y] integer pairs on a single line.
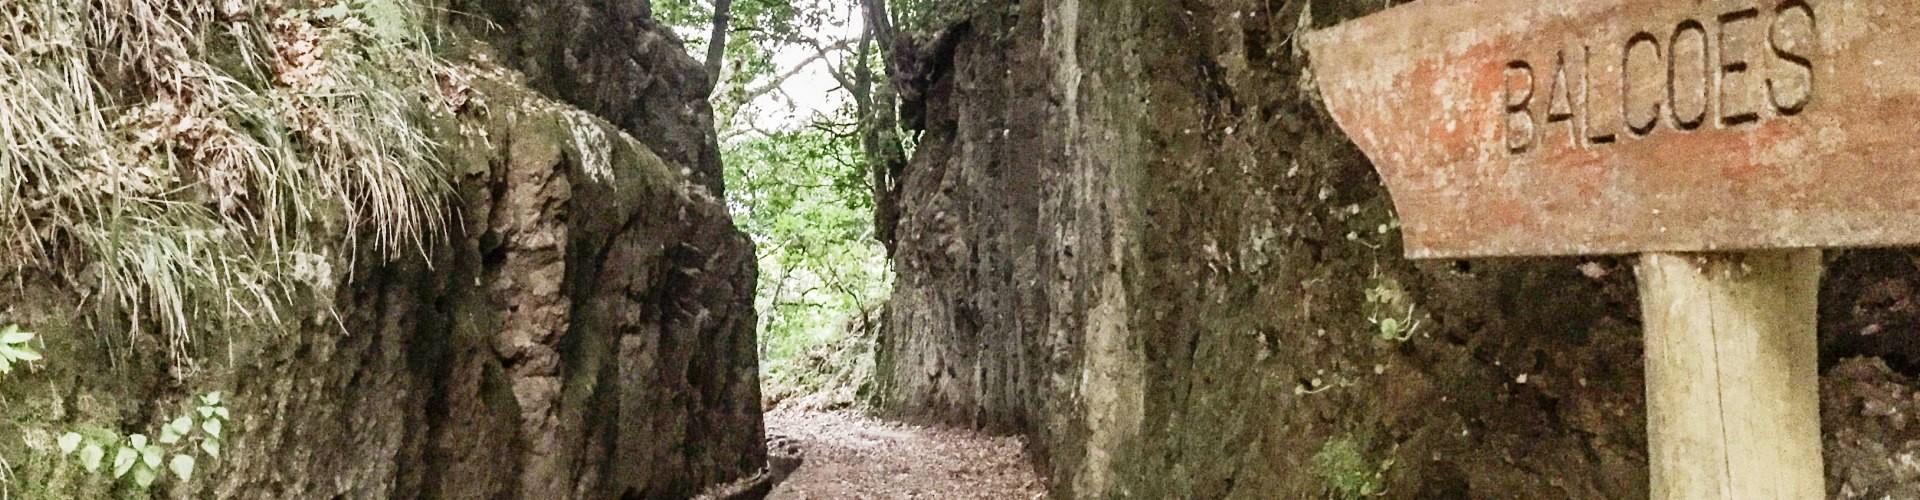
[[860, 97], [879, 23], [756, 93]]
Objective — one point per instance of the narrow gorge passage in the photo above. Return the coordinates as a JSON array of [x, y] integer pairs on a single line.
[[812, 138], [851, 455], [899, 249]]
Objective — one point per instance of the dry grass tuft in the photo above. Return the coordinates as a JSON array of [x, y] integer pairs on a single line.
[[193, 157]]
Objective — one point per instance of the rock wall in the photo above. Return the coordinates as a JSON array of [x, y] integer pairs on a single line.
[[583, 331], [610, 58], [968, 285], [581, 325], [1132, 232]]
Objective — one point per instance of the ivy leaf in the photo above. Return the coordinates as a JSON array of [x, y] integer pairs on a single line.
[[139, 441], [17, 353], [336, 11], [212, 448], [90, 457], [212, 426], [144, 477], [69, 442], [152, 455], [212, 398], [387, 19], [182, 466], [206, 411], [175, 430], [12, 335], [123, 461]]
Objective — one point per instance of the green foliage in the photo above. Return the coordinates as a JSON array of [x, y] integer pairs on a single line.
[[1349, 475], [757, 27], [803, 196], [760, 29], [14, 348], [927, 16], [799, 185], [140, 461]]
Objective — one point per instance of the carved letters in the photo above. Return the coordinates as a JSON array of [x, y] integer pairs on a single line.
[[1721, 70]]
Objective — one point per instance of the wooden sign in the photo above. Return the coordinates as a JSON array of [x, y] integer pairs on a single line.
[[1529, 127]]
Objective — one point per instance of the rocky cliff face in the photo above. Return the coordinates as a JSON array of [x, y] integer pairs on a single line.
[[583, 331], [1132, 232], [610, 58], [581, 325]]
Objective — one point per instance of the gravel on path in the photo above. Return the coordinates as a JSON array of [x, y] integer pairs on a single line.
[[849, 455]]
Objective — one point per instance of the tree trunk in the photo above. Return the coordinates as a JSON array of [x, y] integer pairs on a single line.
[[717, 44], [880, 139]]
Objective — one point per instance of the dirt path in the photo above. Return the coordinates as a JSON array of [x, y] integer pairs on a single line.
[[849, 455]]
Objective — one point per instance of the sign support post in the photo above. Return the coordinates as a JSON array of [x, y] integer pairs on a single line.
[[1733, 406]]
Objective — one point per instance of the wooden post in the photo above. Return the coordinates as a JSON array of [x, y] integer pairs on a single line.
[[1733, 408]]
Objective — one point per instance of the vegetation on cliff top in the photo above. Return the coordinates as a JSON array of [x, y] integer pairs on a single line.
[[189, 164], [183, 169]]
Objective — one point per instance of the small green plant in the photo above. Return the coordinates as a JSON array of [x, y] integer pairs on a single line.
[[1315, 386], [1396, 329], [1347, 472], [138, 459], [1384, 294], [14, 348]]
